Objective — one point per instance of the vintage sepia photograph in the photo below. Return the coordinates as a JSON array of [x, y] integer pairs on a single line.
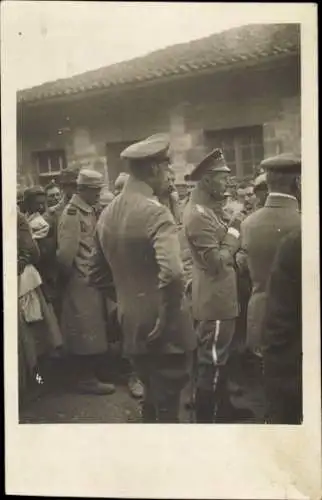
[[158, 216], [159, 241]]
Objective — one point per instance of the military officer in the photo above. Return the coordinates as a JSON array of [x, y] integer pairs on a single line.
[[138, 244], [262, 232], [82, 321], [213, 245]]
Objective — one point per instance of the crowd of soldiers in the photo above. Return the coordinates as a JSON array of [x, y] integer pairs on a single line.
[[188, 287]]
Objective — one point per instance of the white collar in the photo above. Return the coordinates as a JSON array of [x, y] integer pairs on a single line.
[[283, 195]]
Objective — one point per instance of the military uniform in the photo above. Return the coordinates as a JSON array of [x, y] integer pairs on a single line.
[[137, 238], [83, 310], [282, 334], [261, 234], [214, 291]]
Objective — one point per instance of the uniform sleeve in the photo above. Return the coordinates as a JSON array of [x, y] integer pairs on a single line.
[[68, 237], [214, 253]]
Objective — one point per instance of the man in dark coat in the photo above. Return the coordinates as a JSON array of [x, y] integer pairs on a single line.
[[214, 292], [262, 232], [137, 237], [282, 333]]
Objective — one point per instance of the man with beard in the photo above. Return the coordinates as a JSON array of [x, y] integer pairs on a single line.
[[137, 248], [213, 245]]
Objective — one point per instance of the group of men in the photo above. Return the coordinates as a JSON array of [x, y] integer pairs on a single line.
[[173, 276]]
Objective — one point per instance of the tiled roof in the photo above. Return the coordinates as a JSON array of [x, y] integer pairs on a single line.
[[254, 42]]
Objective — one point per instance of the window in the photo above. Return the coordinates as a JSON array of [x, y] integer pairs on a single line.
[[243, 147], [50, 163]]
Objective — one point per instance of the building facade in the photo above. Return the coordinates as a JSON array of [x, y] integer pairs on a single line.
[[246, 100]]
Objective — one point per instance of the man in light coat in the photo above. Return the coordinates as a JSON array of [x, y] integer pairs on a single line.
[[82, 320], [137, 248]]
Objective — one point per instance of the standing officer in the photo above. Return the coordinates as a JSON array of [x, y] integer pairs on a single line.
[[214, 294], [137, 237], [262, 232], [83, 322]]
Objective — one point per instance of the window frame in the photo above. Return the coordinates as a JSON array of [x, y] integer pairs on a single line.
[[236, 136], [61, 155]]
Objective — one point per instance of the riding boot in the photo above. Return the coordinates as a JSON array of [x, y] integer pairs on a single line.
[[204, 406]]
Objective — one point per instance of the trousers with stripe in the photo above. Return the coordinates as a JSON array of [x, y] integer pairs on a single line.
[[214, 343], [214, 346]]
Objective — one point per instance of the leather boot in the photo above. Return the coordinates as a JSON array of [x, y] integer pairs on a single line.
[[204, 406]]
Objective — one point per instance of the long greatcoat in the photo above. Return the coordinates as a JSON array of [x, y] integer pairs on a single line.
[[83, 310], [137, 245], [261, 234], [282, 333]]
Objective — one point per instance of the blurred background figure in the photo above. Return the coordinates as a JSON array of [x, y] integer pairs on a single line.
[[170, 197], [120, 182], [245, 194], [67, 183], [43, 228], [20, 199], [106, 197], [260, 190], [53, 194]]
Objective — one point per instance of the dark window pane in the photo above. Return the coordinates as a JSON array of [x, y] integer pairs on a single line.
[[247, 168], [245, 139], [54, 160], [229, 155], [258, 153], [43, 164], [246, 153]]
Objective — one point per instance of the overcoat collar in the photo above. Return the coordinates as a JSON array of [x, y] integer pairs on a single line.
[[137, 186], [78, 202], [280, 201]]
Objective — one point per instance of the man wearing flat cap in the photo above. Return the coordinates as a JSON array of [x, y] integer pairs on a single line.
[[213, 245], [261, 234], [82, 320], [137, 244]]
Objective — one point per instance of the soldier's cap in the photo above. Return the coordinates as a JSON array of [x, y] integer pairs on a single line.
[[286, 162], [154, 147], [260, 181], [33, 191], [213, 162], [89, 178], [69, 176]]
